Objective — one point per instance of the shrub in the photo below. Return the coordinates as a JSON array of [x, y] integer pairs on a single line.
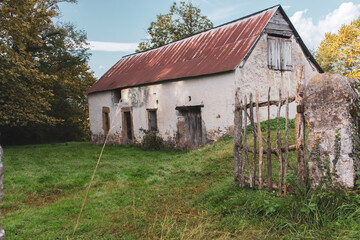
[[151, 141]]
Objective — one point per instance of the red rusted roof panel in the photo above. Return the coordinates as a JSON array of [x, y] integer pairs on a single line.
[[217, 50]]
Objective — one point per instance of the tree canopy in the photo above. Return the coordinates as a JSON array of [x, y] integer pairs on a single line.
[[182, 21], [340, 52], [44, 70]]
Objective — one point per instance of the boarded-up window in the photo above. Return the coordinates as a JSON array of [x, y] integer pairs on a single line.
[[106, 119], [279, 53], [152, 120]]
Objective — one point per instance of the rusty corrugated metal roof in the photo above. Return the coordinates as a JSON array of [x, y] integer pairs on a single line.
[[217, 50]]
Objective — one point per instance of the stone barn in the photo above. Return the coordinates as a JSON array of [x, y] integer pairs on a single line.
[[185, 90]]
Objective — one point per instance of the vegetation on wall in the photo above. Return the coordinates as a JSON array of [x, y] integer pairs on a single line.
[[44, 74], [183, 20]]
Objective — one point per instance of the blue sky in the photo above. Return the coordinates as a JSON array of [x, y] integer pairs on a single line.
[[115, 27]]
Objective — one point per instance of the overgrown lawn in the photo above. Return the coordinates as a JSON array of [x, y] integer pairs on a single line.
[[165, 194]]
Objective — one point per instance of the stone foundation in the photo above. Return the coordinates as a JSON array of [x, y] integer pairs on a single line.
[[98, 139]]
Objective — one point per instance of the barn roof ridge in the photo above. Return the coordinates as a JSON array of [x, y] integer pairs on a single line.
[[221, 25]]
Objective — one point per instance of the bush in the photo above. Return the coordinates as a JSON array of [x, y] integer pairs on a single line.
[[151, 141]]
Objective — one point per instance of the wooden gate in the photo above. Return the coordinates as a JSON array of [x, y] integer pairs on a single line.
[[244, 112]]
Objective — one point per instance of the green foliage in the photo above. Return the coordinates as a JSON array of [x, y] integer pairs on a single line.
[[273, 125], [182, 21], [44, 71], [151, 141]]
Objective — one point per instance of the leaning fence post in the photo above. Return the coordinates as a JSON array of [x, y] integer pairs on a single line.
[[300, 126], [261, 164], [237, 133], [268, 151], [2, 232], [278, 146], [254, 137]]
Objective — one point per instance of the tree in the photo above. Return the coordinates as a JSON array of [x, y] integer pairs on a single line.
[[182, 21], [43, 69], [340, 52]]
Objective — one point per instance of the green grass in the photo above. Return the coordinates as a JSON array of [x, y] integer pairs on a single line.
[[165, 194]]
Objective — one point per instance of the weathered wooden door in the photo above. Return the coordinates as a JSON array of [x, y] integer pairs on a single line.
[[190, 129]]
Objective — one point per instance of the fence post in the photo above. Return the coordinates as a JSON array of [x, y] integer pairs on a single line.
[[268, 151], [2, 232], [246, 152], [261, 164], [253, 179], [278, 146], [237, 134], [300, 126], [286, 158]]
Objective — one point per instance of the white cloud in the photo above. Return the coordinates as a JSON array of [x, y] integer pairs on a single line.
[[222, 13], [312, 33], [286, 7], [112, 46], [101, 67]]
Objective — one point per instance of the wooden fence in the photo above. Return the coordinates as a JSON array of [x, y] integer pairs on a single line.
[[244, 112]]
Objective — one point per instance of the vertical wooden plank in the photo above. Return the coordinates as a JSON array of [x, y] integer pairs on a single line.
[[246, 153], [286, 158], [261, 165], [300, 126], [237, 134], [242, 160], [278, 146], [286, 54], [268, 153], [254, 138]]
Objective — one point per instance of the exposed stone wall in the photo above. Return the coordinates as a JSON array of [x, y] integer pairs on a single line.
[[98, 139], [2, 232], [329, 101]]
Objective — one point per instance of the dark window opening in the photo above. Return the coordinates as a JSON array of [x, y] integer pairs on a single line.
[[117, 95], [106, 119], [152, 120], [128, 123], [279, 53]]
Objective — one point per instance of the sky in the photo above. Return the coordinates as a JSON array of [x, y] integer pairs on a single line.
[[115, 27]]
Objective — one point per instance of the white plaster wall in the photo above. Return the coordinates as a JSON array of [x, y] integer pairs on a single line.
[[96, 103], [256, 75], [215, 92]]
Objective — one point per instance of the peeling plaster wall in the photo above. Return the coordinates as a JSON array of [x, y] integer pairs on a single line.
[[96, 103], [256, 75], [215, 92]]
